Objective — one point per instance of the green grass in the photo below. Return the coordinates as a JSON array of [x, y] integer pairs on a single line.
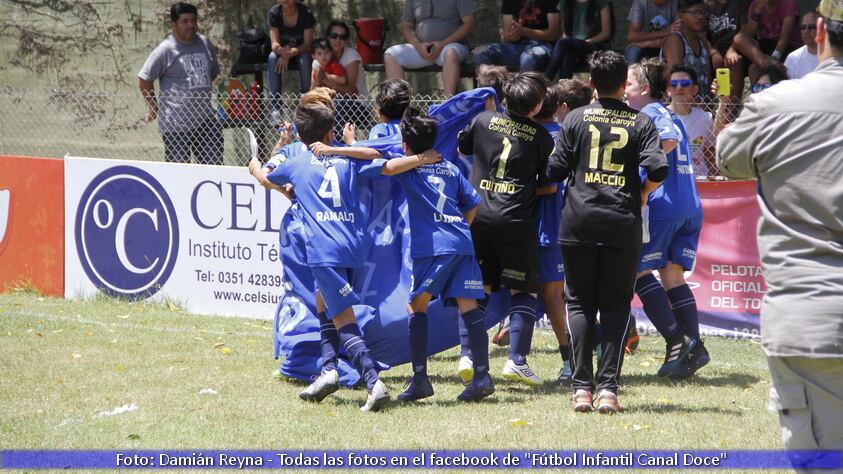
[[65, 362]]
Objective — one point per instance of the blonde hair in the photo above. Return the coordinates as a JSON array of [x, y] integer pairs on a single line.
[[319, 95]]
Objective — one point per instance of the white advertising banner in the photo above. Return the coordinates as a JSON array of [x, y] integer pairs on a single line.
[[204, 237]]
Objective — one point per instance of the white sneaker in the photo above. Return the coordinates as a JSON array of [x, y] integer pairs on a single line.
[[377, 399], [520, 373], [324, 385], [466, 369]]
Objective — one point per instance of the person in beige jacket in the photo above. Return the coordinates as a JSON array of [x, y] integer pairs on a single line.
[[790, 138]]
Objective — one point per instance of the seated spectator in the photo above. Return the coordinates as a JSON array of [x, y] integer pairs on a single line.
[[804, 60], [768, 76], [323, 60], [435, 31], [291, 34], [350, 105], [587, 27], [682, 90], [725, 20], [529, 30], [650, 21], [768, 34], [689, 46]]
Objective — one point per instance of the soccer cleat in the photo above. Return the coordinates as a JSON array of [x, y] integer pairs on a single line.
[[416, 391], [698, 357], [582, 402], [675, 355], [607, 403], [378, 398], [324, 385], [632, 337], [501, 337], [477, 390], [277, 374], [466, 370], [520, 373], [566, 373]]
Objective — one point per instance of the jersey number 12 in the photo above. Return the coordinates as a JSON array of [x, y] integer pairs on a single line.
[[594, 153]]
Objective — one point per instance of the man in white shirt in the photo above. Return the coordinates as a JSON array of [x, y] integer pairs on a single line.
[[804, 60]]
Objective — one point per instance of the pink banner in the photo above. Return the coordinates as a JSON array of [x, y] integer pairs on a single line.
[[727, 280]]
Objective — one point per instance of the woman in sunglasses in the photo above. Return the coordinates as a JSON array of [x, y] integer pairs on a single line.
[[689, 46]]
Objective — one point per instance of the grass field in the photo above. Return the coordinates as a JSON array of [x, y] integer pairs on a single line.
[[67, 364]]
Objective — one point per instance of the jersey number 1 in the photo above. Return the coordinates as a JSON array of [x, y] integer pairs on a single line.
[[593, 159], [330, 188]]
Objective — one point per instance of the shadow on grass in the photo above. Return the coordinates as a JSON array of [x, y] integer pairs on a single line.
[[738, 380], [666, 408]]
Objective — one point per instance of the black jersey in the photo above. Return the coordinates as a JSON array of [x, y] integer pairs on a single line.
[[510, 159], [599, 151]]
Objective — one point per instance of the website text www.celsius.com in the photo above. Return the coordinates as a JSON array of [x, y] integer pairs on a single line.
[[246, 297]]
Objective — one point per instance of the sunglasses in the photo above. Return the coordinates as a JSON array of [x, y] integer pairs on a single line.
[[681, 83], [338, 36], [807, 27], [760, 87]]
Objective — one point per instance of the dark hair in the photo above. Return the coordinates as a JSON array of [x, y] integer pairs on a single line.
[[684, 69], [523, 91], [313, 122], [686, 4], [775, 71], [653, 72], [608, 71], [393, 98], [834, 29], [492, 76], [320, 43], [181, 7], [574, 92], [551, 103], [418, 131], [341, 23]]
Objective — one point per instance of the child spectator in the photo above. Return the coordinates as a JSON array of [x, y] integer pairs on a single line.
[[587, 27], [650, 22], [324, 59], [689, 46], [682, 90]]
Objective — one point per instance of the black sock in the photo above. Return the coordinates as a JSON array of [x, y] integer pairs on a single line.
[[685, 309], [565, 352], [522, 320], [355, 347], [418, 345], [657, 306], [329, 342], [478, 340]]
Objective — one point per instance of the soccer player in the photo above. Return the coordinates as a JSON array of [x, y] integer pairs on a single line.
[[675, 221], [598, 152], [393, 98], [510, 155], [326, 191]]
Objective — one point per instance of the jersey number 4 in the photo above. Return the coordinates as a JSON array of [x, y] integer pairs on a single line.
[[594, 153], [330, 188]]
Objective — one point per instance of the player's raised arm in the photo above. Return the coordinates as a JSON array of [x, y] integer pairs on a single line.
[[357, 152], [407, 163]]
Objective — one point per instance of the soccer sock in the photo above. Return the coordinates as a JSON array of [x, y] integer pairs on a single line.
[[522, 320], [685, 309], [656, 305], [355, 347], [329, 341], [565, 352], [465, 348], [418, 345], [478, 339]]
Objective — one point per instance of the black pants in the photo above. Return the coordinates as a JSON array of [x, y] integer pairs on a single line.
[[567, 53], [598, 278]]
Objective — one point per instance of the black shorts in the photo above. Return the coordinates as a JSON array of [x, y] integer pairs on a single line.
[[513, 264]]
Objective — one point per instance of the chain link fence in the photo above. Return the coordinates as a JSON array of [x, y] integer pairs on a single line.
[[211, 129]]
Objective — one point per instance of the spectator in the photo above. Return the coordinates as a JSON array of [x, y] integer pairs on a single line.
[[682, 90], [529, 30], [768, 35], [586, 27], [291, 34], [725, 19], [804, 60], [435, 31], [769, 76], [185, 64], [494, 77], [351, 103], [325, 65], [650, 21], [789, 139], [689, 46]]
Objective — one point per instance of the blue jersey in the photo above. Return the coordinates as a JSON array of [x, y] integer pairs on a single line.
[[437, 196], [454, 115], [388, 129], [550, 205], [326, 191], [677, 197]]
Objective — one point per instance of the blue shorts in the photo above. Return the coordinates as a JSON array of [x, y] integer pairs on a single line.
[[551, 267], [451, 276], [671, 241], [335, 285]]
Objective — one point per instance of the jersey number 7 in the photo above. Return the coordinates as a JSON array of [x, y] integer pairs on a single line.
[[594, 153]]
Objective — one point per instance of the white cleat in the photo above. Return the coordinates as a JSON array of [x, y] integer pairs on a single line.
[[520, 373], [324, 385], [466, 369], [377, 399]]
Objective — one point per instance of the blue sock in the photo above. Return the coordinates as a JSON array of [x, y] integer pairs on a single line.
[[478, 339], [685, 309], [522, 320], [355, 347], [465, 346], [418, 345], [656, 305], [329, 342]]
